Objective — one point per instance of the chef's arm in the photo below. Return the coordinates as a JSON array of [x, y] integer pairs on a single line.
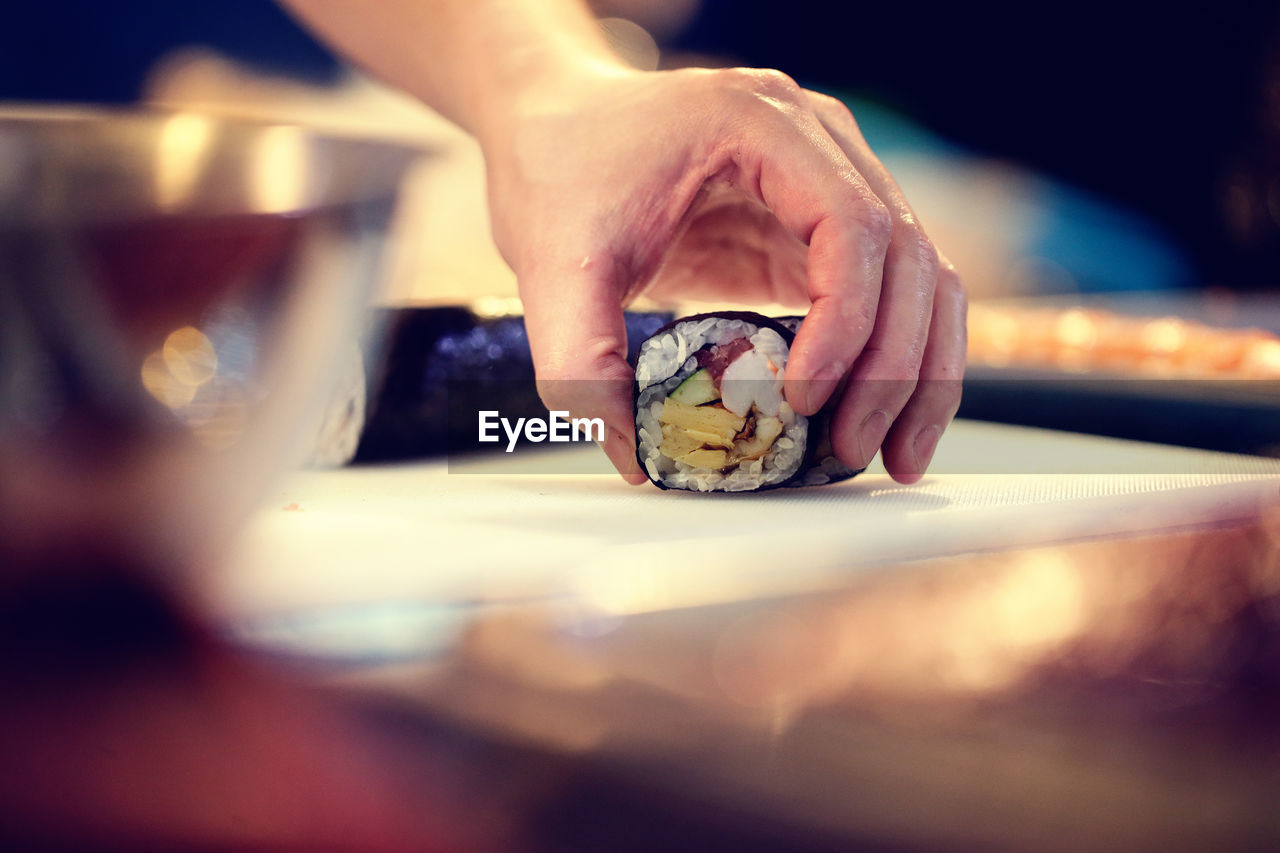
[[471, 60]]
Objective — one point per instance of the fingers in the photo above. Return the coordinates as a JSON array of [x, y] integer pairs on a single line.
[[911, 441], [579, 343], [888, 369], [792, 164], [846, 256]]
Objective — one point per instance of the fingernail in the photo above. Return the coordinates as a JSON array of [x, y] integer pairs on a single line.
[[871, 435], [820, 387], [926, 442]]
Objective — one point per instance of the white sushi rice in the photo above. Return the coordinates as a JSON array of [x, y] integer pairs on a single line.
[[668, 359]]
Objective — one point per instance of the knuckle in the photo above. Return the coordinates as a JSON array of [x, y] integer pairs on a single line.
[[853, 316], [911, 360], [873, 219], [774, 83], [760, 87], [951, 285], [733, 79], [860, 319], [737, 74], [834, 110], [728, 88], [585, 381], [900, 364], [918, 249], [826, 103]]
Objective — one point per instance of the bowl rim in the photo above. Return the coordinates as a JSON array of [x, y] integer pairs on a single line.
[[85, 148], [19, 112]]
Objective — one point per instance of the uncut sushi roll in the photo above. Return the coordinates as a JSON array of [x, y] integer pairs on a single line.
[[821, 466], [442, 365], [710, 411]]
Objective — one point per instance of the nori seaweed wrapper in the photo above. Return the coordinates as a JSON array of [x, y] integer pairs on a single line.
[[444, 365], [776, 323]]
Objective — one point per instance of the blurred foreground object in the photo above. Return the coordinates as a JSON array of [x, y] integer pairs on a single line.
[[172, 286], [1093, 696]]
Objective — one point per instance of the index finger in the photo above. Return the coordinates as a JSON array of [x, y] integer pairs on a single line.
[[578, 339], [813, 189]]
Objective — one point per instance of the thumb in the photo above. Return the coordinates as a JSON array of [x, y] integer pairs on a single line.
[[578, 338]]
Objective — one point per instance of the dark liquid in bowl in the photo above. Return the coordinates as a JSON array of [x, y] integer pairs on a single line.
[[162, 273]]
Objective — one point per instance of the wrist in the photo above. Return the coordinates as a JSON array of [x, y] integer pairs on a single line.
[[537, 83]]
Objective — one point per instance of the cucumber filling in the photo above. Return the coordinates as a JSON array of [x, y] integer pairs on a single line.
[[698, 389]]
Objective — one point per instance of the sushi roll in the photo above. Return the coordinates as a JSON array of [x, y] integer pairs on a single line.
[[821, 466], [710, 410]]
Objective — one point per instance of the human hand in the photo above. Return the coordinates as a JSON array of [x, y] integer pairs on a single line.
[[724, 184]]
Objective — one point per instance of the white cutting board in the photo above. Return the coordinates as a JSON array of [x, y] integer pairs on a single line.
[[360, 560]]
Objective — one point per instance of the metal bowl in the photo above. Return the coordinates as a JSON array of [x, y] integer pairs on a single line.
[[174, 290]]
